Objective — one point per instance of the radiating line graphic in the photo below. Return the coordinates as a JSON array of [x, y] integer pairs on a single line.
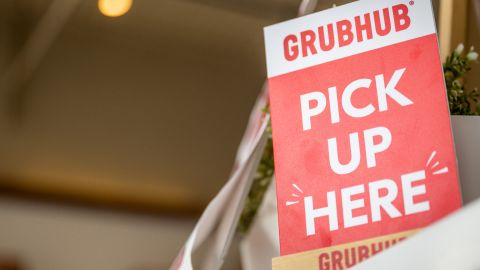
[[292, 203], [431, 158], [296, 198], [436, 164], [297, 188], [441, 171]]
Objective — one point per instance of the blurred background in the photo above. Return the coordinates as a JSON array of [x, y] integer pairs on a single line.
[[119, 120]]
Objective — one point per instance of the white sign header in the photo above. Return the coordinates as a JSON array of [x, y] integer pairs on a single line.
[[365, 25]]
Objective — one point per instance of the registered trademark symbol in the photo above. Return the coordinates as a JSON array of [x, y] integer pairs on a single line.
[[412, 3]]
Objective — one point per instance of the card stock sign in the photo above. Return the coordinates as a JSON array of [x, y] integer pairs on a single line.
[[361, 128]]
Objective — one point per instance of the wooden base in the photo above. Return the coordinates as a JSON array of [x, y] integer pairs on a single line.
[[338, 257]]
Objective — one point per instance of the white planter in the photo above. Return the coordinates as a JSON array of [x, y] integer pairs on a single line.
[[261, 244], [466, 131]]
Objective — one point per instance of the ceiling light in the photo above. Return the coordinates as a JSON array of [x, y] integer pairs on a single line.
[[114, 8]]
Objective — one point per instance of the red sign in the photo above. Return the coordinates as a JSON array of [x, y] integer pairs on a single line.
[[361, 127]]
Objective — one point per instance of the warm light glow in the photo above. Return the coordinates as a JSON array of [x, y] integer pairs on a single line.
[[114, 8]]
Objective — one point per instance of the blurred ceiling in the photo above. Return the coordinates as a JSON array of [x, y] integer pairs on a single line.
[[143, 111]]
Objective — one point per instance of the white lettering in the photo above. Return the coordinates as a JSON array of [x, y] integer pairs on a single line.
[[410, 191], [349, 205], [378, 202], [311, 213], [307, 111]]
